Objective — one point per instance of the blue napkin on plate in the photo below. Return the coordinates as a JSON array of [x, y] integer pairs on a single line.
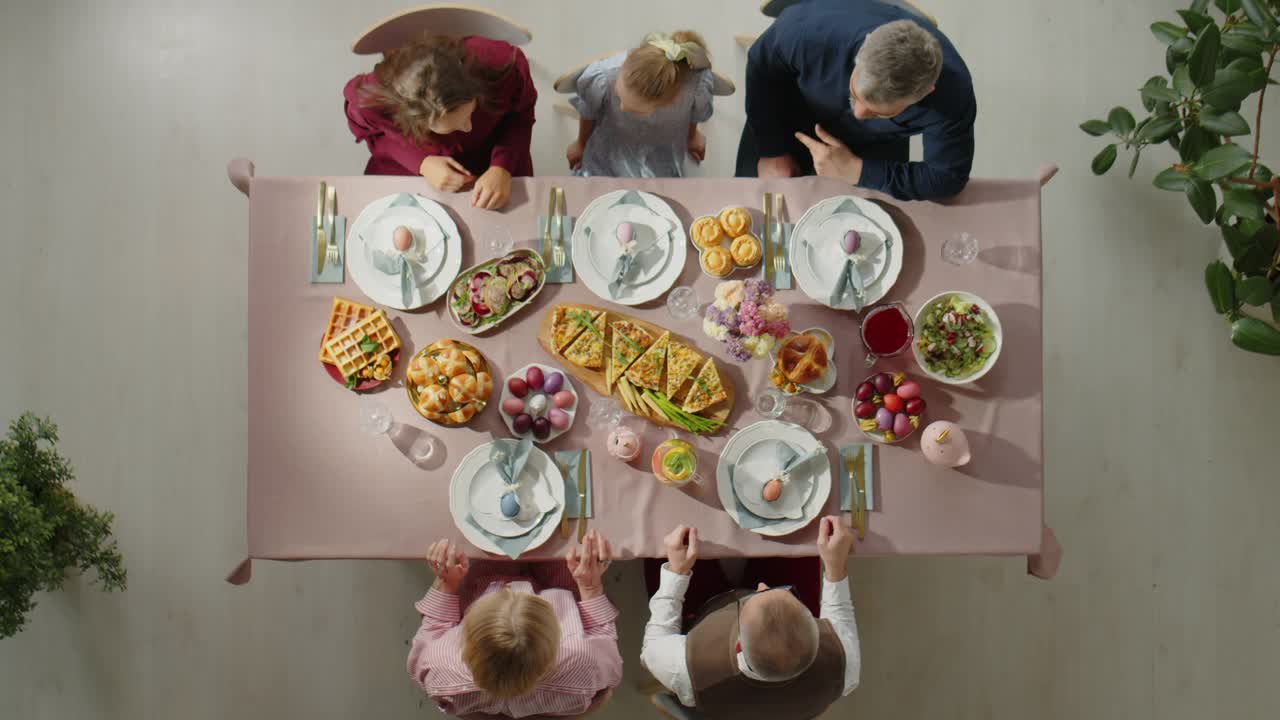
[[846, 483], [563, 274], [748, 520], [568, 462], [332, 274], [509, 456]]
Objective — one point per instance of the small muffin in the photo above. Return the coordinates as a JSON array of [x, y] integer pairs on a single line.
[[706, 232], [746, 250], [716, 261], [735, 221]]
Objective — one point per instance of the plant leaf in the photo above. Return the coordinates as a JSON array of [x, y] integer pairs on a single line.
[[1171, 179], [1227, 6], [1182, 82], [1167, 32], [1195, 142], [1203, 63], [1254, 335], [1159, 129], [1244, 203], [1222, 161], [1203, 200], [368, 345], [1199, 6], [1103, 161], [1254, 290], [1096, 128], [1121, 121], [1221, 286], [1251, 251], [1151, 94], [1262, 173], [1259, 14], [1227, 122], [1228, 89], [1195, 20], [1275, 307], [1242, 42], [1133, 165]]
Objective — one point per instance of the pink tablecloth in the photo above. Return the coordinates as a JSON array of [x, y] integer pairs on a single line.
[[319, 488]]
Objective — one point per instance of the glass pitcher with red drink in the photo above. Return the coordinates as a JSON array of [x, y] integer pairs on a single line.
[[886, 331]]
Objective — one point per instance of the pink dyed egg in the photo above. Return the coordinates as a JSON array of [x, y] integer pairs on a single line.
[[559, 419], [513, 406], [563, 399], [402, 238]]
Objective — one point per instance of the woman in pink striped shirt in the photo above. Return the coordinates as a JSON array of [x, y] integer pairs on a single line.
[[517, 639]]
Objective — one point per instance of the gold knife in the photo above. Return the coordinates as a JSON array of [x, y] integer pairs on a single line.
[[564, 516], [582, 495], [321, 242], [546, 230], [857, 476], [768, 247]]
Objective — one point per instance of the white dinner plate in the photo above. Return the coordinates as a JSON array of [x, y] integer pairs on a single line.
[[594, 229], [759, 464], [651, 233], [817, 257], [539, 465], [799, 438], [371, 231]]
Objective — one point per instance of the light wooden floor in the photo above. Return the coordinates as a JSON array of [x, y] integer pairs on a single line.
[[123, 288]]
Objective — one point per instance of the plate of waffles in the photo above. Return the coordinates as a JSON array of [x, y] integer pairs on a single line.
[[359, 348]]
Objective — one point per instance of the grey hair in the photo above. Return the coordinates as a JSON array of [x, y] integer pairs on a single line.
[[898, 62], [783, 642]]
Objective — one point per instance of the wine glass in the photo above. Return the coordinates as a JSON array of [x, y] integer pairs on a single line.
[[960, 249], [682, 303]]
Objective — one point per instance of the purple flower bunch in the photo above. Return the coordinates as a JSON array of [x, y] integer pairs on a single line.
[[746, 319]]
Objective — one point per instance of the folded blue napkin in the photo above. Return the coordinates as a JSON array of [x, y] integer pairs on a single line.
[[512, 547], [568, 462], [846, 482], [332, 274]]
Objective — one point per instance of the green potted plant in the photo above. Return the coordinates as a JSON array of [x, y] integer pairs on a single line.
[[44, 532], [1216, 58]]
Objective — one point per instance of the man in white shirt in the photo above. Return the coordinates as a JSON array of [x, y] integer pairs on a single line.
[[755, 654]]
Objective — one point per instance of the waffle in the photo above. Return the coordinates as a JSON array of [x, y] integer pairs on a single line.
[[345, 348], [344, 314]]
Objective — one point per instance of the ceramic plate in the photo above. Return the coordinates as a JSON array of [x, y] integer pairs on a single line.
[[799, 438], [539, 465], [817, 257], [595, 246], [571, 411], [436, 239]]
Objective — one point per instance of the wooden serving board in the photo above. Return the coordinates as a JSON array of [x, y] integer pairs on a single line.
[[595, 378]]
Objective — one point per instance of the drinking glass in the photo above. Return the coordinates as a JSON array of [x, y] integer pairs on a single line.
[[770, 402], [604, 414], [500, 242], [682, 303], [375, 418], [376, 421], [960, 249]]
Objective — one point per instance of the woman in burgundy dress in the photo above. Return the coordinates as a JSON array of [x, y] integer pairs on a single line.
[[458, 112]]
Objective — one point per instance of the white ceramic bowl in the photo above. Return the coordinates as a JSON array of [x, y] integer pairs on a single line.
[[988, 314]]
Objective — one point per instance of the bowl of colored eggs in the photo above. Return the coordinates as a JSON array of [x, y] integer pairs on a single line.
[[538, 400], [888, 408]]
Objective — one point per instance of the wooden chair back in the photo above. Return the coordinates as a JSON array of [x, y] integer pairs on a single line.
[[453, 20]]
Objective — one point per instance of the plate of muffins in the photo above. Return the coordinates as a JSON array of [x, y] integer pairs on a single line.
[[725, 242]]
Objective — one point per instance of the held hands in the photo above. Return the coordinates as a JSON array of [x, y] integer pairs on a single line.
[[574, 154], [588, 566], [449, 565], [682, 549], [492, 190], [832, 158], [835, 541], [445, 174], [697, 146]]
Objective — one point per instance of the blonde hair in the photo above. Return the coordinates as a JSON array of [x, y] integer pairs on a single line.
[[509, 641], [427, 78], [658, 68]]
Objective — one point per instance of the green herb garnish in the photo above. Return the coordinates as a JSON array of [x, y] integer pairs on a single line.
[[368, 346], [693, 423], [583, 319], [352, 381]]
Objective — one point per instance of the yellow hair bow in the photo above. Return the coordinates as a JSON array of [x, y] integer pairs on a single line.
[[674, 51]]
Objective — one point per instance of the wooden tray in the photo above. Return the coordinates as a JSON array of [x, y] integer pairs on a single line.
[[595, 379]]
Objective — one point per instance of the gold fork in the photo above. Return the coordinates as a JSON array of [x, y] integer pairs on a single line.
[[330, 211], [780, 255], [557, 252]]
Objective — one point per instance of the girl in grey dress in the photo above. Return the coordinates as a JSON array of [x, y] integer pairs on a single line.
[[639, 111]]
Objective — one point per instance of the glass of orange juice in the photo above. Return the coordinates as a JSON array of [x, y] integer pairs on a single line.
[[674, 463]]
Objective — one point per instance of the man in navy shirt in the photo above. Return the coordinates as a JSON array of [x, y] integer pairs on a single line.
[[837, 87]]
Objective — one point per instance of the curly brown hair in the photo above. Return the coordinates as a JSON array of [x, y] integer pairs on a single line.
[[427, 78]]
